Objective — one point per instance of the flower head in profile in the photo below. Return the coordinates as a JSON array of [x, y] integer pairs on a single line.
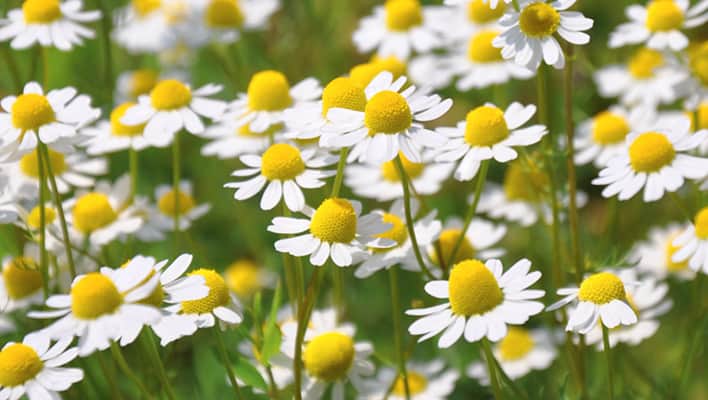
[[21, 281], [112, 135], [693, 243], [132, 84], [363, 74], [426, 381], [181, 204], [245, 277]]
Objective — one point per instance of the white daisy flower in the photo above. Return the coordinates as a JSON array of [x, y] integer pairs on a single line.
[[469, 16], [335, 229], [481, 303], [223, 20], [182, 203], [112, 135], [520, 352], [426, 381], [659, 24], [171, 107], [132, 84], [486, 133], [21, 281], [52, 23], [693, 243], [53, 119], [655, 160], [103, 307], [363, 74], [30, 221], [149, 231], [528, 35], [602, 298], [245, 278], [283, 170], [654, 256], [142, 27], [34, 369], [228, 139], [391, 122]]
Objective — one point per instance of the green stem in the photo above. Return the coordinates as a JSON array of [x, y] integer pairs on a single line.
[[397, 331], [43, 261], [489, 356], [608, 354], [106, 23], [340, 172], [157, 363], [338, 288], [9, 58], [133, 160], [303, 319], [481, 178], [45, 67], [125, 368], [691, 351], [175, 186], [110, 376], [509, 382], [225, 360]]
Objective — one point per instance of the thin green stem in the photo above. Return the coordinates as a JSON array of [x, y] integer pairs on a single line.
[[175, 186], [225, 360], [9, 58], [692, 348], [509, 382], [134, 164], [338, 288], [43, 260], [340, 172], [157, 363], [125, 368], [491, 369], [481, 178], [110, 376], [608, 354], [293, 278], [106, 25], [303, 319], [397, 331], [45, 67]]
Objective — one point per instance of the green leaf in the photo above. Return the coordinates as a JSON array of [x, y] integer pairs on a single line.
[[249, 374]]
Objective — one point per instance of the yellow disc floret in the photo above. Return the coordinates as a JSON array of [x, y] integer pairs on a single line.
[[525, 181], [517, 343], [93, 211], [701, 223], [389, 171], [343, 93], [398, 232], [243, 277], [417, 383], [650, 152], [448, 239], [282, 162], [142, 82], [218, 293], [664, 15], [269, 91], [481, 50], [170, 94], [145, 7], [486, 126], [473, 289], [329, 356], [41, 11], [171, 204], [94, 295], [29, 163], [31, 111], [224, 14], [334, 221], [539, 20], [21, 277], [18, 364], [387, 112], [34, 218], [609, 128], [601, 288], [402, 15], [120, 129], [481, 12], [644, 62]]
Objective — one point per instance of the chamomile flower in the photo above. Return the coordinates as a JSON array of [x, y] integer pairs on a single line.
[[693, 243], [659, 24], [482, 301], [21, 281], [223, 20], [486, 133], [112, 135], [182, 204], [228, 139], [528, 35], [50, 23], [53, 119], [520, 352], [426, 381], [655, 160], [283, 170], [391, 122], [103, 307], [142, 26], [172, 106], [363, 74], [245, 278], [132, 84], [30, 221], [654, 256], [35, 369], [601, 297], [335, 229], [469, 16]]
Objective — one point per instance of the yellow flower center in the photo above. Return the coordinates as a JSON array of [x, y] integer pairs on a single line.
[[387, 112], [329, 356], [398, 232], [94, 295], [486, 126], [282, 162], [334, 221], [93, 211], [664, 15], [517, 343], [41, 11], [702, 120], [698, 61], [120, 129], [389, 171], [402, 15], [601, 288], [142, 81], [29, 163], [539, 20], [18, 364], [650, 152], [145, 7], [243, 277], [609, 128], [269, 91], [343, 93], [31, 111], [481, 12], [34, 217], [362, 74], [416, 384], [670, 250], [22, 277], [173, 205], [170, 94], [525, 182], [158, 294], [473, 289], [644, 62], [481, 50], [224, 14], [218, 293], [448, 238], [701, 223]]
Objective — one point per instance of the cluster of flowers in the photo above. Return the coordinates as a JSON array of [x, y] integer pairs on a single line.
[[369, 130]]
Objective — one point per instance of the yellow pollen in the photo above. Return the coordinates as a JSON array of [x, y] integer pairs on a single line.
[[269, 91], [609, 128], [473, 289], [41, 11], [334, 221], [480, 11], [481, 50], [517, 343], [21, 277], [282, 162], [664, 15], [218, 294], [170, 94], [34, 217], [31, 111], [601, 288], [698, 61], [701, 223], [448, 238], [398, 232], [650, 152], [486, 126], [29, 163], [142, 82], [145, 7], [243, 277], [389, 171], [644, 62], [402, 15], [94, 295], [539, 20], [343, 93], [120, 129], [18, 364], [417, 383], [670, 250], [387, 112], [93, 211], [224, 14], [329, 356], [173, 205], [525, 181]]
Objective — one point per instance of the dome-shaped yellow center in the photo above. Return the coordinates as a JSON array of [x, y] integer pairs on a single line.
[[31, 111], [343, 93], [389, 171], [170, 94], [387, 112], [609, 128], [669, 251], [481, 12], [517, 343], [93, 211], [243, 277], [94, 295], [539, 20], [334, 221], [21, 277], [601, 288], [171, 204], [218, 293], [644, 62], [18, 364], [481, 50], [398, 232], [525, 181], [698, 61], [282, 162], [41, 11], [362, 74], [145, 7], [34, 218], [269, 91], [402, 15], [142, 82], [329, 356], [473, 289], [417, 383], [448, 238], [29, 163], [701, 223], [650, 152], [120, 129], [224, 14], [486, 126], [664, 15]]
